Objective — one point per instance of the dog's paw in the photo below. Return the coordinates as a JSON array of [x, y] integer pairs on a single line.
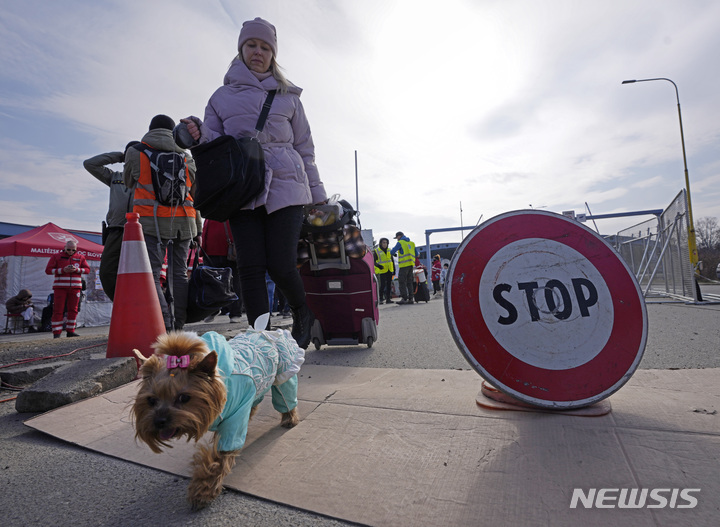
[[209, 469], [198, 504], [201, 493], [290, 419]]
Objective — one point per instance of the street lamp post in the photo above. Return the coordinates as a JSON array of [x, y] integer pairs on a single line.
[[692, 244]]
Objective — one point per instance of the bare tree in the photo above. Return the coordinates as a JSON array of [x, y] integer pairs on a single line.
[[707, 232]]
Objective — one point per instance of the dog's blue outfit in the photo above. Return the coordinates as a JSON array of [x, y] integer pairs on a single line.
[[251, 363]]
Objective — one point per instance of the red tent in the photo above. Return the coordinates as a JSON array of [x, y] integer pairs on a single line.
[[46, 240]]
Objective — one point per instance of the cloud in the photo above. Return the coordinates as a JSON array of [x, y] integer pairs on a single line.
[[645, 183], [44, 186]]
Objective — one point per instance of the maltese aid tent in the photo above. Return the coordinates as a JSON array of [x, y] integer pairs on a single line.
[[23, 259]]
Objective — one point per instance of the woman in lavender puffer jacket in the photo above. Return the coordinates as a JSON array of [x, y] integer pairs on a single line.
[[266, 231]]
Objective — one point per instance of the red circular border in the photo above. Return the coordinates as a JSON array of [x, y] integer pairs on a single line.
[[591, 381]]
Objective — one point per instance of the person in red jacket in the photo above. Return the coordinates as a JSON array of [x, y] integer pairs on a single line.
[[67, 267], [436, 272], [219, 246]]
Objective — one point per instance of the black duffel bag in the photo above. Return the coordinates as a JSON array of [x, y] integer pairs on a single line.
[[209, 290], [229, 174]]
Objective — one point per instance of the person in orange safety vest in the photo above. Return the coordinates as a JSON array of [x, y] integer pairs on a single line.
[[168, 229]]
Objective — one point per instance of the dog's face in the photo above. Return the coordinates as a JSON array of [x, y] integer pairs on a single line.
[[181, 393]]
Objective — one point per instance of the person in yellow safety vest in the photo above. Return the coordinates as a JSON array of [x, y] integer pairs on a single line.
[[384, 269], [405, 249]]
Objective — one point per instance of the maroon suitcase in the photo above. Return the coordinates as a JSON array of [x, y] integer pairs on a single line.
[[342, 293]]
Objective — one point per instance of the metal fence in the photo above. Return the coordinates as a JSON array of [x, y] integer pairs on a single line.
[[657, 252]]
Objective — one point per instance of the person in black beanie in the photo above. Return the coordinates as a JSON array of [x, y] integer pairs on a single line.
[[168, 229]]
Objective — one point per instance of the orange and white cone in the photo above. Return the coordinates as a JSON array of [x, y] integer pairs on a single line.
[[137, 318]]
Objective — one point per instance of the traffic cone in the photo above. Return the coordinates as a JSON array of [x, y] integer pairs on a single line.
[[137, 318]]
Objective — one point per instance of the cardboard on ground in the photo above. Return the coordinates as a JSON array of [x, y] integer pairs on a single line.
[[412, 447]]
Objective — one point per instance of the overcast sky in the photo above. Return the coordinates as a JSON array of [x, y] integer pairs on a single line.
[[498, 105]]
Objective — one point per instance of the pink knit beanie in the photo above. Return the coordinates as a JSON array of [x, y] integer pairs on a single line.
[[261, 29]]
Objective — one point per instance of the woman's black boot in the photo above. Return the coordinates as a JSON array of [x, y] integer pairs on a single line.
[[302, 325]]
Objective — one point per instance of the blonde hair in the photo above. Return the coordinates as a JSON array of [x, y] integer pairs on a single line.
[[275, 70]]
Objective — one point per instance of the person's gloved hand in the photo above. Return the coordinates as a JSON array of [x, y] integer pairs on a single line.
[[193, 126]]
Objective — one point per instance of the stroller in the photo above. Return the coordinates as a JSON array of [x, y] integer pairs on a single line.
[[338, 274]]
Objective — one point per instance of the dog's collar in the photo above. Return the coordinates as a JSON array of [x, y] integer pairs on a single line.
[[177, 362]]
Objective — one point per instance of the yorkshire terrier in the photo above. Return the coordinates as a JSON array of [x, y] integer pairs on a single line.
[[192, 385]]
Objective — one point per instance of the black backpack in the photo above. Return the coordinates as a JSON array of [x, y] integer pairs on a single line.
[[169, 175]]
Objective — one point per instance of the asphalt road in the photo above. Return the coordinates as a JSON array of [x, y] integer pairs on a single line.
[[44, 481]]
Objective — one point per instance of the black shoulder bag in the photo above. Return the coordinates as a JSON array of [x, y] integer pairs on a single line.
[[209, 289], [230, 172]]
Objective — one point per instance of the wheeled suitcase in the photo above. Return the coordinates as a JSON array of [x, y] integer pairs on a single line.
[[342, 293], [421, 291]]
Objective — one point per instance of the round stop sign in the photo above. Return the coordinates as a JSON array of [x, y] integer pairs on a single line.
[[545, 310]]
